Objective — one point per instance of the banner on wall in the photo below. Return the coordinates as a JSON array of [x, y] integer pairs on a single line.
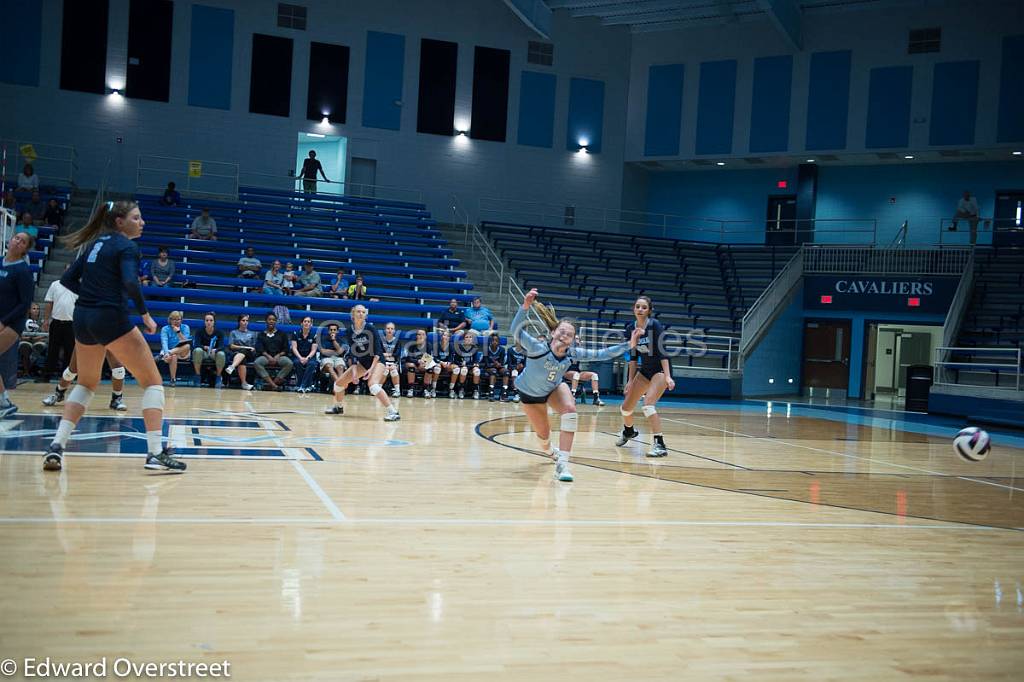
[[897, 294], [195, 169]]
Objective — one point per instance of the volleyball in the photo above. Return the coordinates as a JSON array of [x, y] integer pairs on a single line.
[[972, 444]]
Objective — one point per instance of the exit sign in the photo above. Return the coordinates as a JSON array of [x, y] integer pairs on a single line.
[[782, 184]]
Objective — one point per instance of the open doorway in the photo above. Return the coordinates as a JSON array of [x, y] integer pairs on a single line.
[[331, 152], [780, 227], [890, 350]]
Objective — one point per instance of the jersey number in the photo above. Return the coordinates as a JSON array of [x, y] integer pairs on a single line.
[[552, 376], [95, 252]]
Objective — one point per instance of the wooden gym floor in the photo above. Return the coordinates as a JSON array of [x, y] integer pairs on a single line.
[[775, 542]]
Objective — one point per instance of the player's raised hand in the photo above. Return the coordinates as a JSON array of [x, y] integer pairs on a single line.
[[531, 296]]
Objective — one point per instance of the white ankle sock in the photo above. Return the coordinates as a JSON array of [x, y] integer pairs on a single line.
[[64, 430], [154, 442]]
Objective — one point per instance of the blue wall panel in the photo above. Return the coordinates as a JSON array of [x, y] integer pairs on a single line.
[[889, 107], [537, 109], [778, 356], [210, 57], [586, 114], [769, 114], [664, 109], [716, 106], [955, 103], [1011, 91], [382, 81], [20, 46], [828, 100]]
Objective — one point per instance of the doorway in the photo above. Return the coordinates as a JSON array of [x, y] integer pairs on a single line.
[[363, 178], [1008, 223], [780, 227], [331, 152], [897, 347], [826, 361]]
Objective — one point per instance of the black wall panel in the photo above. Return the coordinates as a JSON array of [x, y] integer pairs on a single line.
[[150, 23], [435, 111], [83, 46], [328, 82], [490, 94], [270, 79]]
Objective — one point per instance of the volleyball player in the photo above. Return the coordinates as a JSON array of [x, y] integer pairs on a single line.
[[650, 373], [444, 356], [516, 362], [365, 351], [416, 359], [391, 354], [496, 365], [117, 374], [468, 358], [106, 277], [540, 384], [576, 375], [15, 300], [333, 352]]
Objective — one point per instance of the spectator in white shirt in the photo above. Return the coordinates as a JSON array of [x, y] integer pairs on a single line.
[[57, 314], [204, 227], [967, 208], [28, 181]]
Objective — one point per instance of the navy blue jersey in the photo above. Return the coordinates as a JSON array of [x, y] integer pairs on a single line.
[[467, 354], [650, 348], [390, 351], [444, 353], [495, 357], [106, 275], [15, 293], [304, 344], [363, 344], [515, 357], [414, 353]]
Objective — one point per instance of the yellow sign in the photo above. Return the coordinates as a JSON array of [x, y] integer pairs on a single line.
[[195, 169], [29, 152]]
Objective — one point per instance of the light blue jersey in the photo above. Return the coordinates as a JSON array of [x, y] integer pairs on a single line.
[[544, 370]]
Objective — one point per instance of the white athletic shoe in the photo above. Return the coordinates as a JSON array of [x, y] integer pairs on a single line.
[[247, 387], [396, 392], [562, 472], [230, 369], [409, 393], [392, 415], [657, 450]]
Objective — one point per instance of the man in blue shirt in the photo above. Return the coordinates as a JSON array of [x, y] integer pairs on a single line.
[[453, 318], [480, 318]]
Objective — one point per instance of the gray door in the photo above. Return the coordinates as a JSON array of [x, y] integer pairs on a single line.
[[363, 177], [913, 349]]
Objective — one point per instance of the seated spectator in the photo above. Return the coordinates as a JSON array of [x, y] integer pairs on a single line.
[[417, 359], [10, 201], [54, 214], [162, 269], [284, 316], [28, 225], [175, 343], [309, 282], [332, 353], [967, 208], [28, 181], [242, 343], [444, 355], [33, 345], [358, 290], [480, 319], [340, 287], [171, 196], [249, 265], [209, 346], [468, 358], [453, 319], [273, 283], [204, 227], [272, 352], [146, 272], [304, 353], [495, 367], [36, 207], [290, 279]]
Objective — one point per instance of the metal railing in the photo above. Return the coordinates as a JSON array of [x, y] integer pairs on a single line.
[[958, 308], [55, 164], [475, 240], [769, 305], [291, 183], [975, 366], [215, 179], [957, 231], [101, 192], [8, 219], [868, 260]]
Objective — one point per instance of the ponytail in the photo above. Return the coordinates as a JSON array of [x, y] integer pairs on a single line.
[[101, 222]]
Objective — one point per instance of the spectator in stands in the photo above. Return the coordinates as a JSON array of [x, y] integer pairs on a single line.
[[249, 265], [340, 287], [284, 316], [209, 346], [54, 214], [28, 225], [32, 347], [36, 207], [162, 269], [175, 343], [290, 278], [58, 312], [304, 351], [272, 352], [309, 282], [453, 319], [332, 353], [308, 172], [11, 201], [171, 196], [967, 208], [204, 227], [358, 290], [273, 283], [242, 343], [28, 181], [480, 318], [416, 359]]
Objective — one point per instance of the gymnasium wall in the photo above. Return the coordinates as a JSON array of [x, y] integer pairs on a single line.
[[208, 113], [778, 357]]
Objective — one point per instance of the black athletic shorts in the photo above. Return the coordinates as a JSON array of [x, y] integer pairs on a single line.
[[649, 372], [100, 326], [532, 399]]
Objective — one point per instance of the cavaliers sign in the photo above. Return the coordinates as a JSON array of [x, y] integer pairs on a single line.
[[931, 294]]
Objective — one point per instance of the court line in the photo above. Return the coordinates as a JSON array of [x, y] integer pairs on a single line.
[[319, 492], [504, 522], [778, 441]]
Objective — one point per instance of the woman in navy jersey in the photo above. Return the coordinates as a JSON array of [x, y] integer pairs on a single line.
[[15, 299], [106, 279], [365, 348], [650, 373]]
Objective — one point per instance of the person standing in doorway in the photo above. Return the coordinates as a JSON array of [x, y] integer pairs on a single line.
[[308, 173]]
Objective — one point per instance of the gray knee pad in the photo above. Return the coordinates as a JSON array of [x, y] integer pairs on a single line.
[[568, 422], [649, 411], [153, 398], [117, 373], [81, 395]]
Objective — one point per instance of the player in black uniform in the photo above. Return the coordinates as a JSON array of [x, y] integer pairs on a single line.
[[576, 375], [515, 360], [467, 359], [106, 278], [416, 358], [364, 347], [444, 355], [391, 354], [496, 365], [650, 373], [15, 299]]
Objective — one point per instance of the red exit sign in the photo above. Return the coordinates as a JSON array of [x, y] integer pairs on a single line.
[[782, 184]]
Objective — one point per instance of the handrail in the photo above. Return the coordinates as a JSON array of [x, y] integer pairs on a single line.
[[347, 187], [768, 305], [945, 365], [476, 241], [217, 179], [8, 219], [958, 308], [101, 191], [55, 164], [901, 236], [825, 259]]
